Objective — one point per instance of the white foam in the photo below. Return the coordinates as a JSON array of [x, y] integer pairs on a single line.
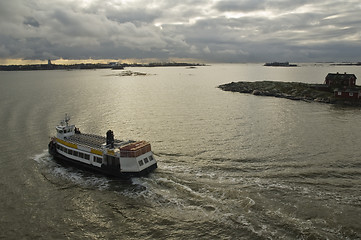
[[42, 157], [137, 181], [69, 174], [80, 179]]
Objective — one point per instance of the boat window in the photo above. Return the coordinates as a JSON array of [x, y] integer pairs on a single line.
[[75, 153], [151, 158], [98, 159], [86, 156], [140, 162], [81, 155], [145, 160], [70, 151]]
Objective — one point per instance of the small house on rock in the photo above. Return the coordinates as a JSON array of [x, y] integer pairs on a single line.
[[344, 85], [340, 80]]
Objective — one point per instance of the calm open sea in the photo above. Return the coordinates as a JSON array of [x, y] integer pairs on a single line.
[[231, 165]]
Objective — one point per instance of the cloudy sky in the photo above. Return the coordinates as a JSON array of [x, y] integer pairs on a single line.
[[207, 31]]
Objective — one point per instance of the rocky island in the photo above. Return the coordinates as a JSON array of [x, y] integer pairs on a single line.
[[337, 89], [289, 90]]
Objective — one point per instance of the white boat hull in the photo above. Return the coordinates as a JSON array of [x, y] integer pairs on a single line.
[[100, 168]]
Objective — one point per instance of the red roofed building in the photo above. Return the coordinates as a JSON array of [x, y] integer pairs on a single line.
[[344, 85], [340, 80], [347, 93]]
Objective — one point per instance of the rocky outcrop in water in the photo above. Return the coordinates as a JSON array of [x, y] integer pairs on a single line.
[[289, 90]]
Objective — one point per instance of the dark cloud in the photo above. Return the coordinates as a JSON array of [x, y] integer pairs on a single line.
[[30, 21], [240, 5], [226, 31]]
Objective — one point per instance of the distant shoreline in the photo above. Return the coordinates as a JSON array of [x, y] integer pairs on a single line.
[[346, 64], [279, 64], [37, 67]]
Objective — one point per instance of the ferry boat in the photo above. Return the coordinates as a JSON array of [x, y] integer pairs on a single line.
[[124, 159]]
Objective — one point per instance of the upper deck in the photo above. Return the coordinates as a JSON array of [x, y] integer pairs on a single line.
[[71, 136], [93, 141], [88, 140]]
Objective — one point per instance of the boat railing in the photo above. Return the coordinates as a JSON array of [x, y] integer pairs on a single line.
[[90, 140]]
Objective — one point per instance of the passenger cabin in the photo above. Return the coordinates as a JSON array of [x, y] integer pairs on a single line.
[[340, 80]]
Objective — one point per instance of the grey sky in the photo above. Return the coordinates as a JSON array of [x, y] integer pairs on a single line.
[[211, 31]]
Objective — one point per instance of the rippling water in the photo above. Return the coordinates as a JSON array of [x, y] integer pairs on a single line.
[[231, 166]]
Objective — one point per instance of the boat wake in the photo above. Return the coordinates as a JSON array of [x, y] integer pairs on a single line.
[[67, 177]]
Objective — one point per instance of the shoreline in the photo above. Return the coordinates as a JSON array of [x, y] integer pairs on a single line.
[[89, 66], [290, 90]]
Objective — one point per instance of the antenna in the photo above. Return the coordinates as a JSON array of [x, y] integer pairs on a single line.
[[67, 118]]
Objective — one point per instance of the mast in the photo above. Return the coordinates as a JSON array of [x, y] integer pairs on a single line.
[[67, 119]]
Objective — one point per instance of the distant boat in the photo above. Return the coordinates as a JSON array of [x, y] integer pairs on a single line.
[[279, 64], [106, 155]]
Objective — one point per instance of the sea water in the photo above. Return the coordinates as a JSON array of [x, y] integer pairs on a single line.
[[230, 165]]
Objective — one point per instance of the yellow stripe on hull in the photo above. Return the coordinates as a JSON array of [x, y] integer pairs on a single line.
[[96, 152], [68, 144]]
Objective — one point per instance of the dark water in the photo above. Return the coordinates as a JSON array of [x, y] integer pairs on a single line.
[[231, 166]]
